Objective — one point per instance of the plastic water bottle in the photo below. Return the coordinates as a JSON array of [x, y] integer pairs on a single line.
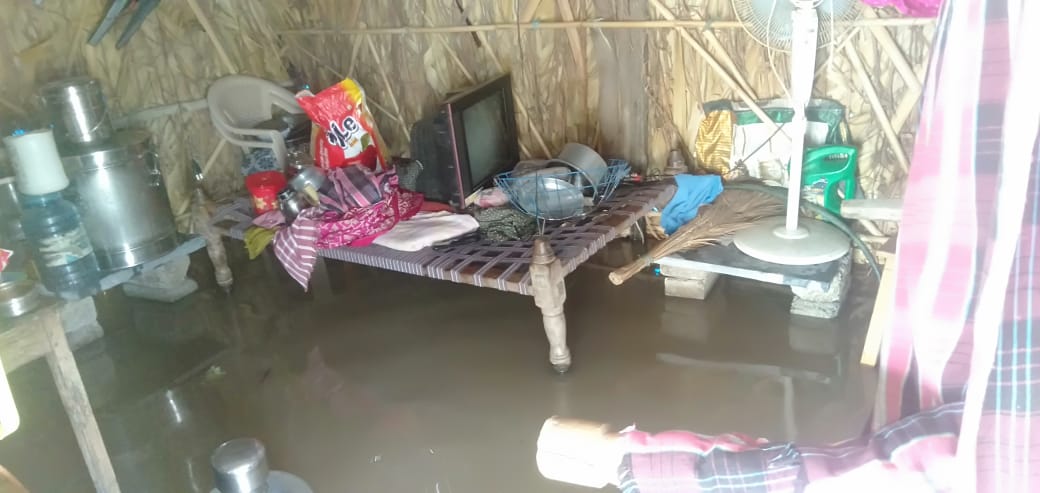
[[61, 248]]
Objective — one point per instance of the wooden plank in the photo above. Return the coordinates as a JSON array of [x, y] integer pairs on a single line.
[[77, 404], [873, 209], [882, 315], [25, 341]]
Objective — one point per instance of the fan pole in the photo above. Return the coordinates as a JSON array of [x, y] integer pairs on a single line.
[[803, 68], [789, 240]]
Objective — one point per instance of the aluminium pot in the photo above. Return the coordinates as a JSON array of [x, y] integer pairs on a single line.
[[119, 191]]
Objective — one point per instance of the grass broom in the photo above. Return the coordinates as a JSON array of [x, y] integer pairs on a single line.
[[732, 211]]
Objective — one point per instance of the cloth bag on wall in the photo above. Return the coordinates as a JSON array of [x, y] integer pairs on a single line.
[[754, 148]]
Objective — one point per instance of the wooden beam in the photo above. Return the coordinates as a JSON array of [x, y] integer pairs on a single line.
[[882, 314], [872, 209], [77, 405]]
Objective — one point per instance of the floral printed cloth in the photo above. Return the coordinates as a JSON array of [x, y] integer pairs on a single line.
[[912, 8]]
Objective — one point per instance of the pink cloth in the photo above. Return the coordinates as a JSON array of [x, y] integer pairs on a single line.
[[912, 8], [372, 204]]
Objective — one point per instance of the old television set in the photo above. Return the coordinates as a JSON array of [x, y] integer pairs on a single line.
[[469, 139]]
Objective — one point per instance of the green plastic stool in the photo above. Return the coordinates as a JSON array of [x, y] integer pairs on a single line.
[[834, 165]]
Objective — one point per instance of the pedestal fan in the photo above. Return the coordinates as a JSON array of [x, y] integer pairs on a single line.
[[794, 25]]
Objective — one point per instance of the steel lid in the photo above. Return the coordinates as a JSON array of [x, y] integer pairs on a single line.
[[240, 466], [74, 83], [124, 146]]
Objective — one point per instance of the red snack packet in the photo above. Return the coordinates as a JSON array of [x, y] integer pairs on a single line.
[[346, 133]]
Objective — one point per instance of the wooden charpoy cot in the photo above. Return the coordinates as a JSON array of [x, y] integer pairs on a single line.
[[533, 268]]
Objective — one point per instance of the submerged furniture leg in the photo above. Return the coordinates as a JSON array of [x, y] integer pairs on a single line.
[[550, 292], [77, 406], [200, 217]]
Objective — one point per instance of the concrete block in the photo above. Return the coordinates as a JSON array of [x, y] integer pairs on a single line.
[[669, 270], [167, 283], [819, 300], [79, 319], [696, 289]]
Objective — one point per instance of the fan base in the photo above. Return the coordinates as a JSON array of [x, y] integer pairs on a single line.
[[814, 242]]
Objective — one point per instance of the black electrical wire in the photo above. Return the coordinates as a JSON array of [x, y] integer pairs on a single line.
[[828, 216]]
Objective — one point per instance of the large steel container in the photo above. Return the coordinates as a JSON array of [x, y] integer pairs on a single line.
[[121, 196]]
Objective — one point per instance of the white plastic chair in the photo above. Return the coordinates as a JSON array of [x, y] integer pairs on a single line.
[[237, 103]]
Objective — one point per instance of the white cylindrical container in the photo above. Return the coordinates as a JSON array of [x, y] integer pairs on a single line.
[[37, 165]]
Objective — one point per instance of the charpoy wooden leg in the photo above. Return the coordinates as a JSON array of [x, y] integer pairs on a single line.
[[200, 218], [77, 406], [550, 293]]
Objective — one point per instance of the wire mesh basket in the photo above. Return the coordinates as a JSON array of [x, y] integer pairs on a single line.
[[557, 193]]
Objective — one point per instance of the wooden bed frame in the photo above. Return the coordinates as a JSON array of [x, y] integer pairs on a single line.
[[534, 268]]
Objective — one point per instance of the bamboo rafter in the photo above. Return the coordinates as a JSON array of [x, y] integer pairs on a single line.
[[593, 24]]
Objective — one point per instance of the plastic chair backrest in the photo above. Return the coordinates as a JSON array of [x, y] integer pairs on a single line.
[[239, 102]]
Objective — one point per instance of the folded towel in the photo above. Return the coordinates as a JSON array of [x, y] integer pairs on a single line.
[[425, 229]]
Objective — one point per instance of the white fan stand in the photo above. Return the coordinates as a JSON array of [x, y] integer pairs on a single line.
[[783, 240]]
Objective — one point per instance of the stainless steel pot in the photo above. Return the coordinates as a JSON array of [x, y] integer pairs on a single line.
[[290, 203], [78, 110], [240, 466], [122, 199]]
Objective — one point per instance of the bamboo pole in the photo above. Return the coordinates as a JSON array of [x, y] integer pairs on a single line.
[[224, 59], [896, 55], [521, 108], [746, 98], [715, 44], [212, 34], [911, 98], [530, 8], [593, 24], [879, 109], [388, 86], [572, 35]]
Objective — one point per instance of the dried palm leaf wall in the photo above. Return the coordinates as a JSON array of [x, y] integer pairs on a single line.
[[170, 60], [625, 77]]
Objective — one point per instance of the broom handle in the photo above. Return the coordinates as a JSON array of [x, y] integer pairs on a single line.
[[625, 273]]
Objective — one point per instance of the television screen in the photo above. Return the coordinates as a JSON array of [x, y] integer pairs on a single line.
[[486, 145]]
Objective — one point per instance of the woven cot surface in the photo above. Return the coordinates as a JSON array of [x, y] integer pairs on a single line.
[[501, 265]]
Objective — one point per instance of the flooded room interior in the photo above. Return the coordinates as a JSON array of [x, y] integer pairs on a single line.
[[456, 246]]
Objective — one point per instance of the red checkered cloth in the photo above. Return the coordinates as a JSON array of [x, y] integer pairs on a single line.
[[955, 406]]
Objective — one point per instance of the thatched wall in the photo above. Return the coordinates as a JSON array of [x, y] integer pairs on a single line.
[[170, 60], [618, 75]]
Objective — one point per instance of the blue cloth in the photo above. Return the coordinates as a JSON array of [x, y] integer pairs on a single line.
[[693, 192]]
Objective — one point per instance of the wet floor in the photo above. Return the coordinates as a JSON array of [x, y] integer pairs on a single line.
[[377, 381]]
